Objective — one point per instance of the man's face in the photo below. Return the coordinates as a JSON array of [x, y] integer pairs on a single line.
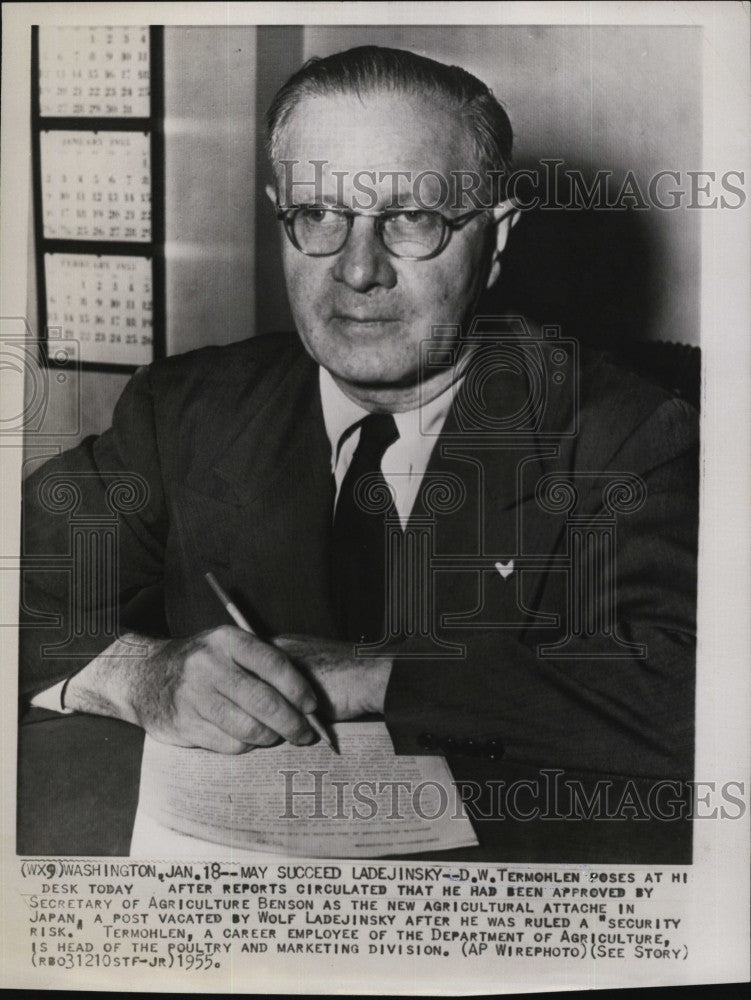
[[362, 313]]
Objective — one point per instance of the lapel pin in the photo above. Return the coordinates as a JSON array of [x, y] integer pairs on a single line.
[[505, 569]]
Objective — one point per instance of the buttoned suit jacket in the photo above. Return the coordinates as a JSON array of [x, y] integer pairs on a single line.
[[228, 449]]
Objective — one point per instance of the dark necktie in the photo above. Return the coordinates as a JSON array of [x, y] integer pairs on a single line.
[[359, 538]]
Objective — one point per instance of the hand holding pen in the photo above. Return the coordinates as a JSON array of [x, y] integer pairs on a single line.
[[241, 621]]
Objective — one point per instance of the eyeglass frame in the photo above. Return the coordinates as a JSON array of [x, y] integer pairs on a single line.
[[287, 217]]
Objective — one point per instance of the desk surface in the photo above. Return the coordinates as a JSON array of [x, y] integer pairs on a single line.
[[78, 779]]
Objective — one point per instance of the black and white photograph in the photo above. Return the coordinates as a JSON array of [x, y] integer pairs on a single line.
[[375, 436]]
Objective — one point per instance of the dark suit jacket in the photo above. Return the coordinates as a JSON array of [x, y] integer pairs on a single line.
[[232, 453]]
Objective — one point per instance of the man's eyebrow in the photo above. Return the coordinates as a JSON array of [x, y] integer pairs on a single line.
[[311, 200], [405, 199]]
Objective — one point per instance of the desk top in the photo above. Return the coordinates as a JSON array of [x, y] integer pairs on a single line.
[[78, 778]]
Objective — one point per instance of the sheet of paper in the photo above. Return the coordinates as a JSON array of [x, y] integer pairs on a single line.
[[307, 801], [152, 840]]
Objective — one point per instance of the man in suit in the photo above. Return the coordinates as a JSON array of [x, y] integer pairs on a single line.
[[559, 624]]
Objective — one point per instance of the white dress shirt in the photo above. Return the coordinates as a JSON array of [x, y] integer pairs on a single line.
[[405, 461], [52, 698], [403, 465]]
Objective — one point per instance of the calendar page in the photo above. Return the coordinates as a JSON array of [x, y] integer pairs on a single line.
[[96, 185], [103, 303], [94, 72]]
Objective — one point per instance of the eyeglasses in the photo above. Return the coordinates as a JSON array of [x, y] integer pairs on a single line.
[[410, 234]]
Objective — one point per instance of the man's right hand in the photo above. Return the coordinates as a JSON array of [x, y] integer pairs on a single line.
[[223, 689]]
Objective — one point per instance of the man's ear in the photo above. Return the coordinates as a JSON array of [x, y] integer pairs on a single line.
[[271, 193], [505, 217]]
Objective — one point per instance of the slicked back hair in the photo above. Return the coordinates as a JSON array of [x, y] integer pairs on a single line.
[[369, 69]]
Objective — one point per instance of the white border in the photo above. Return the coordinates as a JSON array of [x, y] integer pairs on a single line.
[[723, 696]]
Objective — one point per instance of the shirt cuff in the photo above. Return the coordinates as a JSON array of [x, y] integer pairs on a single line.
[[52, 699]]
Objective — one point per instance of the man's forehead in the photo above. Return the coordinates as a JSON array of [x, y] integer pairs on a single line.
[[383, 131]]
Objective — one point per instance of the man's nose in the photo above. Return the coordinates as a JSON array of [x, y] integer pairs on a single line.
[[363, 263]]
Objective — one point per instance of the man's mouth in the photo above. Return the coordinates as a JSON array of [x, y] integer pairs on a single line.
[[364, 320]]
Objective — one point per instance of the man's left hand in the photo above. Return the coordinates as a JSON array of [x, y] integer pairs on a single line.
[[346, 685]]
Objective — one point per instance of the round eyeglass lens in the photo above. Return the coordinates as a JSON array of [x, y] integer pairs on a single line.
[[319, 231], [413, 234]]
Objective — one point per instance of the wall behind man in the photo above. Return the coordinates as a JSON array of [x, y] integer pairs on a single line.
[[210, 178]]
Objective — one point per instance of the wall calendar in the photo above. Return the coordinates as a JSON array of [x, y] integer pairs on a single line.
[[98, 160], [105, 303], [94, 72], [96, 186]]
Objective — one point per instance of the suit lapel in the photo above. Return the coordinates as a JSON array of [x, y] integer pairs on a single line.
[[481, 545], [261, 507]]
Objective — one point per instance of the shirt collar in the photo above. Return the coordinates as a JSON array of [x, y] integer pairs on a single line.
[[340, 413]]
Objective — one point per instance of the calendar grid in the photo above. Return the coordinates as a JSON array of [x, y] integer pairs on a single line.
[[101, 71], [99, 193]]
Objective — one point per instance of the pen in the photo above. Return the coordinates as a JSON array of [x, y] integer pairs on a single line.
[[242, 622]]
